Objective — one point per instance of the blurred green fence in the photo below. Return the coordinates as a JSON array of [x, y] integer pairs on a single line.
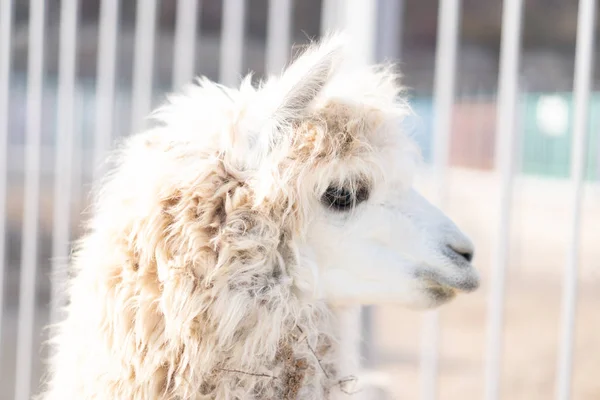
[[547, 123], [544, 128]]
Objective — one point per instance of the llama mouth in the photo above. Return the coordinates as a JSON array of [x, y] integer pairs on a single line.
[[441, 294], [467, 281]]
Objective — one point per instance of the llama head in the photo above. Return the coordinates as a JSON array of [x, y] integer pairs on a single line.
[[324, 156]]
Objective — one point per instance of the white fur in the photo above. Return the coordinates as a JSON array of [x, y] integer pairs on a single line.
[[211, 265]]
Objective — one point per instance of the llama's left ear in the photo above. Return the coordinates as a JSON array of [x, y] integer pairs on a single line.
[[284, 100], [289, 96]]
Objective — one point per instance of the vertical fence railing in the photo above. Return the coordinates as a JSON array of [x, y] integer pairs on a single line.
[[106, 65], [349, 14], [359, 22], [232, 41], [184, 54], [444, 86], [505, 145], [390, 17], [278, 35], [143, 62], [330, 15], [6, 13], [581, 88], [29, 248], [63, 167]]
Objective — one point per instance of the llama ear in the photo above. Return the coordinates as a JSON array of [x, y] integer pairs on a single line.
[[291, 94], [284, 100]]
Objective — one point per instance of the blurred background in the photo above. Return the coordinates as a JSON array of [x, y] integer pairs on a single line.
[[75, 75]]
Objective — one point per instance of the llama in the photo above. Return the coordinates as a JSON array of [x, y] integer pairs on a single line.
[[226, 237]]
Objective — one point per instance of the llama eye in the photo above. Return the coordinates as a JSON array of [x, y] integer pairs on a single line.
[[338, 198], [342, 199]]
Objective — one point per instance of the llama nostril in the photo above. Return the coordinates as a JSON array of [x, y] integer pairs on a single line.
[[466, 254]]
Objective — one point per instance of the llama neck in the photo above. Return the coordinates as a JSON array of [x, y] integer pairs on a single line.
[[306, 365]]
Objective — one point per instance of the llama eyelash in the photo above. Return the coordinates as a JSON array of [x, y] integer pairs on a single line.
[[343, 199]]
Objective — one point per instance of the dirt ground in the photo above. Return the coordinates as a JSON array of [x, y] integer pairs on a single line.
[[529, 353]]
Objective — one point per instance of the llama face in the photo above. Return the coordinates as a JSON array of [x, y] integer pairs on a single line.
[[392, 247], [325, 142], [372, 237]]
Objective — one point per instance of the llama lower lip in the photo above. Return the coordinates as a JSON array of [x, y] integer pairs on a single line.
[[441, 293], [466, 283]]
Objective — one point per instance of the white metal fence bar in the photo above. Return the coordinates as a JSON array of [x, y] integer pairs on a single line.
[[185, 42], [105, 80], [143, 63], [63, 171], [505, 146], [390, 24], [5, 56], [278, 35], [444, 84], [29, 249], [331, 17], [359, 23], [232, 41], [581, 88]]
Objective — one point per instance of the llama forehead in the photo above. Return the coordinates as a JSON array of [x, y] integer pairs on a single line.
[[340, 129], [354, 140], [358, 113]]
